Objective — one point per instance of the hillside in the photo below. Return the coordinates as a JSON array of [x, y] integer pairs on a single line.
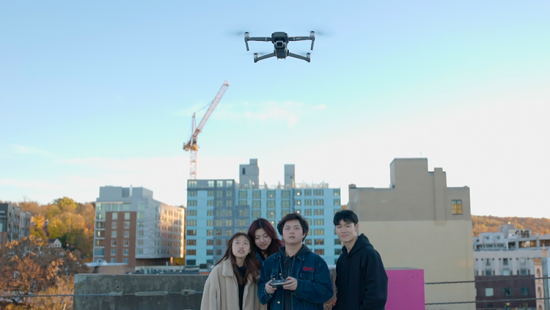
[[482, 223]]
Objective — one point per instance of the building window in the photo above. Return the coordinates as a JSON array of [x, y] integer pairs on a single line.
[[113, 233], [210, 203], [308, 241], [242, 194], [284, 212], [307, 192], [210, 193], [219, 194], [209, 252], [113, 242], [271, 214], [318, 192], [337, 251], [285, 204], [191, 212], [337, 192], [507, 292], [257, 194], [191, 222], [487, 262], [318, 202], [191, 242], [319, 221], [219, 242], [114, 215], [229, 232], [488, 292], [191, 183], [191, 252], [524, 291], [319, 241], [319, 232], [285, 194], [127, 233], [228, 193], [228, 222], [141, 206], [191, 193], [270, 194], [127, 215], [229, 203], [336, 202], [218, 232], [192, 262], [191, 232], [191, 203], [297, 192], [140, 233], [113, 225], [113, 260], [210, 213], [210, 184], [457, 206], [126, 225], [139, 251], [209, 242], [307, 202], [337, 242], [210, 223], [319, 212], [271, 204], [210, 232], [141, 215], [297, 202], [256, 214], [219, 203], [220, 184], [125, 252], [320, 251], [100, 225], [307, 212], [126, 260], [113, 252]]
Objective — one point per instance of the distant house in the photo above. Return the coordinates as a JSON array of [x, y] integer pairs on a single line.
[[55, 243]]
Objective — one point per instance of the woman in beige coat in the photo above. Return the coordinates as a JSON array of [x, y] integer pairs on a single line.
[[232, 284]]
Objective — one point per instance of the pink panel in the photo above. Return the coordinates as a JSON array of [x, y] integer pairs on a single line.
[[405, 289]]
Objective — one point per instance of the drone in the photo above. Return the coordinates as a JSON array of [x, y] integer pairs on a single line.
[[280, 42]]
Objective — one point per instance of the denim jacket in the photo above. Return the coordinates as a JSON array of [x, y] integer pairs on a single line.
[[314, 282]]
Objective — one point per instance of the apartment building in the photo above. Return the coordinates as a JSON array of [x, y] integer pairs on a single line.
[[420, 222], [221, 207], [15, 224], [133, 228]]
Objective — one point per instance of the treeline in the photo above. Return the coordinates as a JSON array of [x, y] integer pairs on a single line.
[[489, 223], [64, 219]]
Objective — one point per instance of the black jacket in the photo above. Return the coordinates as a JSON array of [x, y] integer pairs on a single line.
[[361, 279]]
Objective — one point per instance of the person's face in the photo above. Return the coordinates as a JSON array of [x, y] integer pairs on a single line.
[[262, 239], [293, 232], [240, 247], [347, 231]]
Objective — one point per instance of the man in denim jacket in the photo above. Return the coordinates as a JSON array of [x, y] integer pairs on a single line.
[[308, 284]]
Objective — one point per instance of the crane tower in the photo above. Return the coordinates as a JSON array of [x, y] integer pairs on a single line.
[[192, 145]]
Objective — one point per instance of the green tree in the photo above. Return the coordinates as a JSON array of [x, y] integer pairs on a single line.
[[52, 212], [65, 204]]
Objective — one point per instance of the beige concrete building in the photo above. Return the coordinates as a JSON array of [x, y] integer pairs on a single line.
[[419, 222]]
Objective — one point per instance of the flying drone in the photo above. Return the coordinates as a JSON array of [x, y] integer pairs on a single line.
[[280, 42]]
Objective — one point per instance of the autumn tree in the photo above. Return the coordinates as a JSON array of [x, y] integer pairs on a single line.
[[30, 266], [65, 204]]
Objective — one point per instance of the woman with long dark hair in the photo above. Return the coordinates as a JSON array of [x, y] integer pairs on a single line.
[[232, 284], [265, 238]]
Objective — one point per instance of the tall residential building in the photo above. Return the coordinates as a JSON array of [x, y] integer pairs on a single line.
[[133, 228], [419, 222], [216, 209], [14, 223]]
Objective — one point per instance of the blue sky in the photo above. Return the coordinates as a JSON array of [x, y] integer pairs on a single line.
[[102, 93]]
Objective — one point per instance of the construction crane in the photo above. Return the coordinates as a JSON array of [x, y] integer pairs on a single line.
[[192, 145]]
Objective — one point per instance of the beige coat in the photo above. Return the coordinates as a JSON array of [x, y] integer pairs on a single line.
[[221, 291]]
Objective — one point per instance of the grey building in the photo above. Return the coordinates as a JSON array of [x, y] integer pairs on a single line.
[[14, 223]]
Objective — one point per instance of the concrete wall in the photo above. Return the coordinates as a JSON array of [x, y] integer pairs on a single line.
[[411, 224], [105, 284]]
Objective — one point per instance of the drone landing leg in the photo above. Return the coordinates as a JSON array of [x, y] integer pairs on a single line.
[[306, 58], [266, 56]]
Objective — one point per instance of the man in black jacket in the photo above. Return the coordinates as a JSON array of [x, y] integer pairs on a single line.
[[361, 279]]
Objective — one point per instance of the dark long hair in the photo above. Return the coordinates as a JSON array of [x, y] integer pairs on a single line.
[[250, 262], [276, 243]]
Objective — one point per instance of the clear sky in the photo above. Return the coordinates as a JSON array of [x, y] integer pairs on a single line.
[[101, 93]]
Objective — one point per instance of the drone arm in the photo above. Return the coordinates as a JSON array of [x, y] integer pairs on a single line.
[[266, 56], [262, 39], [306, 58], [299, 38]]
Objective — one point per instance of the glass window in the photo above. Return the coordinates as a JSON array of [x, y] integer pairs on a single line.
[[270, 194], [125, 252], [113, 260], [191, 193], [220, 184], [139, 251], [191, 242], [507, 292], [297, 192], [337, 192], [126, 260], [141, 215], [336, 202], [457, 206], [140, 233], [228, 222], [271, 214], [191, 203], [191, 212], [308, 220], [126, 207], [228, 193], [318, 192], [285, 194], [127, 242], [307, 192], [219, 194], [113, 242], [319, 241], [191, 183], [284, 212], [218, 232], [114, 216], [319, 232], [256, 204], [127, 215], [113, 251], [229, 232], [318, 202], [210, 242], [191, 232], [210, 183], [319, 212], [307, 212], [210, 203], [271, 204], [219, 203], [99, 225], [308, 241], [285, 204], [337, 251], [191, 252], [210, 232], [191, 222], [229, 203], [210, 213], [319, 221], [525, 291], [242, 194], [141, 206], [113, 233], [127, 234], [242, 203], [297, 202], [320, 251], [229, 183], [307, 202], [256, 213], [114, 207], [113, 225], [210, 223], [488, 291], [257, 194], [210, 193], [219, 222]]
